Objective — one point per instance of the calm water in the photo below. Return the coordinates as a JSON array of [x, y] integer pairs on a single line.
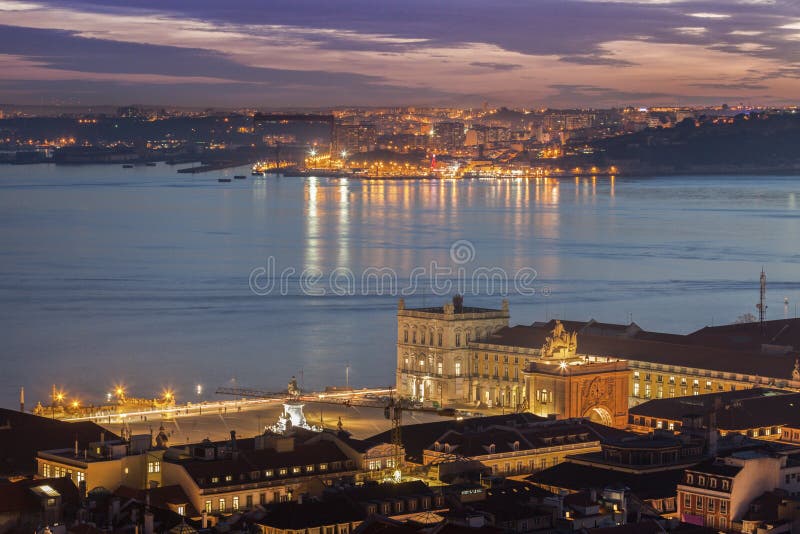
[[142, 275]]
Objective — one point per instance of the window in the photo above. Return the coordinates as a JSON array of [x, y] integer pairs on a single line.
[[659, 378], [723, 523], [309, 469], [683, 380], [699, 503], [222, 505], [80, 476], [214, 480], [726, 485], [268, 473], [636, 389], [374, 465], [708, 384], [723, 507], [636, 375], [228, 478], [181, 509], [440, 339], [647, 377], [695, 383], [283, 471], [647, 391], [295, 470], [46, 470], [154, 467], [690, 478], [262, 499], [687, 500], [711, 505], [422, 337], [712, 483], [414, 336], [405, 336], [323, 467], [430, 338], [701, 481], [672, 380], [439, 368], [208, 507], [458, 368], [458, 339], [236, 502], [467, 337]]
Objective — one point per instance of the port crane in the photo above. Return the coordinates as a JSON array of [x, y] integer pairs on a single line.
[[393, 409]]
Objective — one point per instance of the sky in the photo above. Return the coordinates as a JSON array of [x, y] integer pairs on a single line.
[[324, 53]]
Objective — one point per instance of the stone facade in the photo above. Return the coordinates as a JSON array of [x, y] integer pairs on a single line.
[[434, 349]]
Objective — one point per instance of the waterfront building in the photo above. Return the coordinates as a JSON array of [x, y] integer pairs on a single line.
[[483, 361], [434, 348]]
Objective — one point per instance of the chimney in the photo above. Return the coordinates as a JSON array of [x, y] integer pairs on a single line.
[[22, 399]]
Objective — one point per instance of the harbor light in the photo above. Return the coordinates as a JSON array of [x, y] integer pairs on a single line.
[[75, 404], [312, 152], [344, 154], [199, 389]]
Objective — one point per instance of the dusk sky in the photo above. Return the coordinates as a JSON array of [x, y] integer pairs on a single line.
[[315, 53]]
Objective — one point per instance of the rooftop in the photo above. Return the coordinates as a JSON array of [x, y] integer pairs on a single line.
[[734, 410]]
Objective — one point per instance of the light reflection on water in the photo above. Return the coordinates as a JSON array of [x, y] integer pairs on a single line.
[[142, 275]]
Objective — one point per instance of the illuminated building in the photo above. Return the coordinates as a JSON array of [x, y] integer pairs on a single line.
[[353, 138], [449, 135], [481, 360]]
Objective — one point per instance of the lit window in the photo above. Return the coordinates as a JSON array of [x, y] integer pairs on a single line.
[[181, 510], [268, 473], [154, 467], [236, 502], [295, 470], [309, 469], [208, 507], [323, 467], [222, 505], [228, 478], [458, 368]]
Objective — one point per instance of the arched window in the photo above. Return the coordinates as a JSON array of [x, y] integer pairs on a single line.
[[405, 335]]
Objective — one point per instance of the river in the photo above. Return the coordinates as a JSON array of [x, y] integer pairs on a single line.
[[156, 279]]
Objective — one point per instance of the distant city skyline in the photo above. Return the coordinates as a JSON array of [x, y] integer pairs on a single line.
[[311, 53]]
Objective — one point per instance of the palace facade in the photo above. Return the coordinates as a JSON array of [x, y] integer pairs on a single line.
[[462, 355]]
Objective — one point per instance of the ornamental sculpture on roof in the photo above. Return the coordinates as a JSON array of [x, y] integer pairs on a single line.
[[560, 344]]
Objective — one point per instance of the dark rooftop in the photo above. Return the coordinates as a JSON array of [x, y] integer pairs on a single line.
[[629, 342], [22, 435], [577, 477], [418, 437], [738, 410]]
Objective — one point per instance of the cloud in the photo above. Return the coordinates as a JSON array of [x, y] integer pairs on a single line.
[[394, 51], [496, 66]]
